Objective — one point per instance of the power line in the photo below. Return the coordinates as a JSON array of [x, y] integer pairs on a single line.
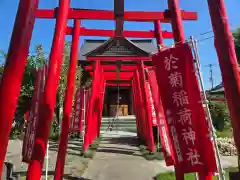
[[211, 77]]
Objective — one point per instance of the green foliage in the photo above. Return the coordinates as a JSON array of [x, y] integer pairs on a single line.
[[27, 88], [63, 80], [220, 116], [236, 35], [92, 149], [149, 155], [227, 132], [171, 175], [34, 62], [3, 57]]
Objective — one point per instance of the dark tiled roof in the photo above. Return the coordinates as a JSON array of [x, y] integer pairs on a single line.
[[217, 89], [90, 45]]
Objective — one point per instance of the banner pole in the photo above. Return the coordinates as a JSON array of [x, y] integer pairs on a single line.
[[206, 106], [47, 159], [84, 117]]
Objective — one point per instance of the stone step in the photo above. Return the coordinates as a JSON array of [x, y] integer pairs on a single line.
[[119, 124]]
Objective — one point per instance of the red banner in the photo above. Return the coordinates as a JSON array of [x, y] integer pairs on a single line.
[[78, 113], [29, 138], [153, 111], [183, 108], [161, 120]]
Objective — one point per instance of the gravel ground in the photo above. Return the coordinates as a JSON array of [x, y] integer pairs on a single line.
[[74, 166]]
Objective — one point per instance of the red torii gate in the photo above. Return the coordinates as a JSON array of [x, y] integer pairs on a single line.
[[19, 47], [127, 34]]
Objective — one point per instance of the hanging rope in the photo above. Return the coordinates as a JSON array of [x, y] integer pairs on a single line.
[[114, 120]]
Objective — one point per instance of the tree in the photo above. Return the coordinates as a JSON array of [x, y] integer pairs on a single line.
[[220, 115], [63, 81], [3, 56], [24, 101], [34, 62], [236, 35]]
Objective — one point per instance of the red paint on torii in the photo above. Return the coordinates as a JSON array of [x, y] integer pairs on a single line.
[[121, 58], [120, 84], [113, 67], [109, 15], [126, 33], [113, 75]]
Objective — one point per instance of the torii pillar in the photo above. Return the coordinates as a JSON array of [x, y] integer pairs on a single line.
[[228, 63], [14, 70], [49, 98], [59, 171], [158, 35], [178, 34]]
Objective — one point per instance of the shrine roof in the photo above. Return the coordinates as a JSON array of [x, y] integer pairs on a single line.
[[141, 47], [217, 89]]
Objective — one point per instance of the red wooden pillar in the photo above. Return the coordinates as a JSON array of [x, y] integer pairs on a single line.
[[228, 63], [14, 69], [204, 176], [141, 106], [101, 101], [146, 100], [49, 98], [158, 35], [176, 20], [68, 102], [95, 107], [90, 126], [178, 34], [135, 103], [139, 109]]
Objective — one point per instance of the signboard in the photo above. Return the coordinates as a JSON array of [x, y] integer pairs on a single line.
[[29, 138], [183, 109], [153, 112], [160, 118], [78, 113]]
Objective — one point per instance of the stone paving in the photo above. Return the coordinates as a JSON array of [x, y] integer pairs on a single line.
[[118, 158], [74, 167]]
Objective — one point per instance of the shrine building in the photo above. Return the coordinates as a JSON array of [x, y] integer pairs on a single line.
[[117, 47]]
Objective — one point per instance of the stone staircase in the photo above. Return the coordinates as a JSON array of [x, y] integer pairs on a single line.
[[123, 123]]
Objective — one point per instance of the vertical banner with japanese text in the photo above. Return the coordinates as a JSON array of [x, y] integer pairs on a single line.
[[161, 120], [32, 123], [153, 111], [78, 113], [183, 108]]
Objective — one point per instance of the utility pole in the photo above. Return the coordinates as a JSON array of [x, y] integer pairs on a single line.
[[211, 78]]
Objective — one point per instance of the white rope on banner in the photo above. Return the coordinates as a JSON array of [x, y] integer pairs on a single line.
[[158, 121], [84, 117], [47, 161], [205, 103]]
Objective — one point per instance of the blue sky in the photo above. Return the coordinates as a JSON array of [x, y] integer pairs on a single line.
[[43, 32]]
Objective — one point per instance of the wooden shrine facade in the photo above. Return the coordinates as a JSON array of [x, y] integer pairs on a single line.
[[110, 52]]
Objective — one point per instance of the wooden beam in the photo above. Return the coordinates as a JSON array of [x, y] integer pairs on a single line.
[[113, 67], [109, 15], [127, 34], [120, 81], [113, 75], [120, 84], [84, 63], [119, 17], [122, 58]]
